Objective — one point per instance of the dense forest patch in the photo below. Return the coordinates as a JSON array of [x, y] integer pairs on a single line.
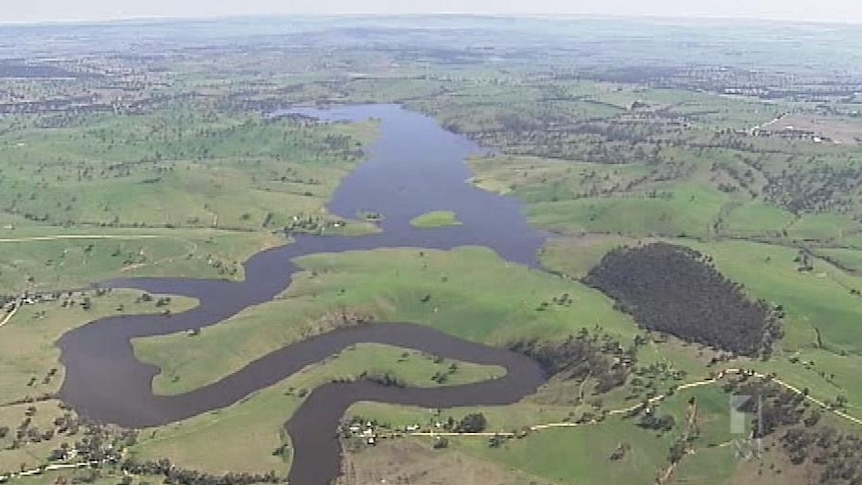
[[677, 290]]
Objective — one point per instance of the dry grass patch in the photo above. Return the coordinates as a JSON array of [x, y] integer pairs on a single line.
[[409, 461]]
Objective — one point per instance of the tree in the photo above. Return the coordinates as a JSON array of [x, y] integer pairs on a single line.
[[813, 418], [472, 423], [620, 452], [841, 401], [676, 452]]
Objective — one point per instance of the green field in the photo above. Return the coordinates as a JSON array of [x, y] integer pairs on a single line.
[[688, 211], [47, 259], [181, 167], [575, 256], [755, 219]]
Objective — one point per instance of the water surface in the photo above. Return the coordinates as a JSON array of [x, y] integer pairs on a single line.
[[414, 167]]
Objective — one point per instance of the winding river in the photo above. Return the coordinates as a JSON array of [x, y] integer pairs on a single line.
[[414, 167]]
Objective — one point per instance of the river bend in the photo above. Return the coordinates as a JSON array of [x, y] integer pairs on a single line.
[[414, 167]]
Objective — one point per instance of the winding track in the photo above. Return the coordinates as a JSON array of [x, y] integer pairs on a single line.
[[62, 237], [9, 315], [538, 427]]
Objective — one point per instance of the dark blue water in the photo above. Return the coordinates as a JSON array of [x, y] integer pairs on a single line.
[[413, 168]]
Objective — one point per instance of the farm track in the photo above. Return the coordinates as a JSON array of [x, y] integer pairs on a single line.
[[78, 236], [9, 316], [659, 398], [538, 427]]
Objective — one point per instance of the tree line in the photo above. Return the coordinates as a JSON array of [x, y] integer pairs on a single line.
[[586, 355], [175, 475]]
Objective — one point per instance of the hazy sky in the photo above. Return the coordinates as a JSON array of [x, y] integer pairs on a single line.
[[814, 10]]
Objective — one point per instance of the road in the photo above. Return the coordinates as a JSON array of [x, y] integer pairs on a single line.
[[77, 236], [48, 468], [539, 427], [9, 315], [690, 385]]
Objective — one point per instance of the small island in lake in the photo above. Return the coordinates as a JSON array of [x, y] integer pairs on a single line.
[[435, 219]]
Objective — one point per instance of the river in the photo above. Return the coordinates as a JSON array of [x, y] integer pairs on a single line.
[[415, 166]]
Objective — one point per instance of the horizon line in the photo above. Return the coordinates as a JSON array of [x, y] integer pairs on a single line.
[[365, 15]]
